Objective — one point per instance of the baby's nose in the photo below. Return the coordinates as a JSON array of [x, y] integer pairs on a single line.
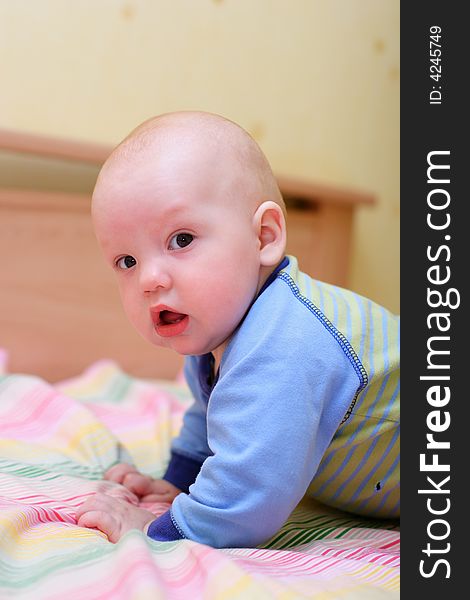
[[153, 277]]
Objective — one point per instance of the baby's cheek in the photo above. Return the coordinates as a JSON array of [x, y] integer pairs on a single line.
[[230, 304], [137, 314]]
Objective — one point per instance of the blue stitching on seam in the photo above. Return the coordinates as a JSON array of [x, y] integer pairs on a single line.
[[338, 336], [177, 527]]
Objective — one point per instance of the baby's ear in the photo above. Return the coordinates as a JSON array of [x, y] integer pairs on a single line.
[[270, 226]]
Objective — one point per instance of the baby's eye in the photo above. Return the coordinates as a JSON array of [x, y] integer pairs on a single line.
[[126, 262], [180, 240]]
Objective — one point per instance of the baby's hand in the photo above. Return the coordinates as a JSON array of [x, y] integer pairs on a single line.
[[112, 516], [146, 488]]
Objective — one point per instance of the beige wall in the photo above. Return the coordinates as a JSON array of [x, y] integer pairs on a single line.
[[316, 82]]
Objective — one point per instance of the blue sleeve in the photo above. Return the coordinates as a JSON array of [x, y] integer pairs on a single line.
[[281, 394], [163, 529], [182, 471], [189, 449], [192, 439]]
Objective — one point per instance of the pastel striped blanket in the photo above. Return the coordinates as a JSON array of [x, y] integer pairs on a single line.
[[55, 443]]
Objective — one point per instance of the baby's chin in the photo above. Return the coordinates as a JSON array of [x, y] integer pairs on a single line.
[[184, 345]]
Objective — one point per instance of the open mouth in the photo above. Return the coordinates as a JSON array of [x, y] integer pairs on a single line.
[[168, 317], [168, 322]]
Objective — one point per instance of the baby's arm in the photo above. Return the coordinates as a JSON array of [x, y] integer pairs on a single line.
[[269, 423], [146, 488], [112, 516]]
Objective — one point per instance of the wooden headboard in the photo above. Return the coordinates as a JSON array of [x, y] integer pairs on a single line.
[[59, 305]]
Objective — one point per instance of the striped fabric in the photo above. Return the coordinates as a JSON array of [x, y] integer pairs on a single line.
[[360, 470], [55, 443]]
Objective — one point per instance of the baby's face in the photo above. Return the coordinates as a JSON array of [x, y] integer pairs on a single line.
[[184, 250]]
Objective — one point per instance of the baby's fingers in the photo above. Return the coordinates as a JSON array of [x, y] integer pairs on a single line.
[[117, 473], [97, 519], [94, 502], [98, 512], [168, 496], [119, 492], [155, 498], [137, 483]]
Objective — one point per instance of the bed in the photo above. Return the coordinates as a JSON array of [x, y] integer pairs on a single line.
[[79, 390]]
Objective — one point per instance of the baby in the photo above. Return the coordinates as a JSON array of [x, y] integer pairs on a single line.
[[295, 382]]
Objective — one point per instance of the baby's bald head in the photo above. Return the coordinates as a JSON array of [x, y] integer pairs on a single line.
[[201, 142]]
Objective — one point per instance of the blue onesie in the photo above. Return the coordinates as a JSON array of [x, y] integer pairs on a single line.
[[306, 400]]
